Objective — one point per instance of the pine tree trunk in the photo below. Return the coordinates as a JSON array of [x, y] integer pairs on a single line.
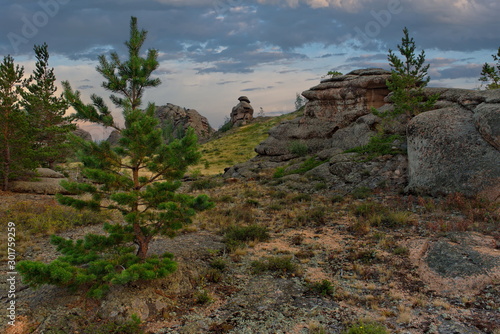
[[142, 241]]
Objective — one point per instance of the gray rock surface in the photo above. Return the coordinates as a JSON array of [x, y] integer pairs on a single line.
[[447, 154], [487, 120]]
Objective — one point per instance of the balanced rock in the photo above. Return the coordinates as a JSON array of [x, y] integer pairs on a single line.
[[242, 112]]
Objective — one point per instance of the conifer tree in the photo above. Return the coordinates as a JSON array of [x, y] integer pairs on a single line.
[[409, 77], [15, 156], [139, 177], [491, 73], [46, 112]]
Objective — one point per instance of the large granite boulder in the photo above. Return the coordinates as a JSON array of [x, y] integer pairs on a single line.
[[242, 112], [456, 148]]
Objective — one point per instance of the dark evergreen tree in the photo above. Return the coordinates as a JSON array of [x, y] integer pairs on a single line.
[[491, 74], [139, 177], [408, 78], [15, 158], [46, 112]]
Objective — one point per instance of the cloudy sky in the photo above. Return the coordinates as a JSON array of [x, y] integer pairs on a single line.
[[213, 51]]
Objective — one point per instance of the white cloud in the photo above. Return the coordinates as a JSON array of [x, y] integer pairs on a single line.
[[347, 5]]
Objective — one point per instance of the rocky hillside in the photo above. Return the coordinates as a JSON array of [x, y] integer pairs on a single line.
[[453, 148]]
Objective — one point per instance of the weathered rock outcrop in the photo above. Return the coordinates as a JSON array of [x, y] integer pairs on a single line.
[[242, 112], [178, 120], [337, 115], [456, 148], [182, 118], [453, 148]]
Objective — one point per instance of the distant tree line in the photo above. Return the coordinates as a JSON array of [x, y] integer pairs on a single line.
[[33, 126]]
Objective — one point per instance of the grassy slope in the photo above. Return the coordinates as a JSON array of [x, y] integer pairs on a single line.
[[236, 145]]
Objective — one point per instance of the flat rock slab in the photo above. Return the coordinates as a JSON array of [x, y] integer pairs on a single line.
[[450, 260]]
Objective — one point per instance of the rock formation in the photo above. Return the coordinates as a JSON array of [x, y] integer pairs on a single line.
[[454, 148], [182, 118], [177, 120], [242, 112], [82, 134], [337, 115]]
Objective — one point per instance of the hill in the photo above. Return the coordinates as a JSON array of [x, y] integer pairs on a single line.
[[236, 145]]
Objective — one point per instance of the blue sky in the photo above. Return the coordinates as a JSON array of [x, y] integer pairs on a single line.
[[213, 51]]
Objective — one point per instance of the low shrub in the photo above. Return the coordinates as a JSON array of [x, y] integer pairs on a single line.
[[313, 216], [324, 288], [95, 263], [203, 297], [235, 236], [131, 326], [298, 148], [361, 192], [218, 263], [203, 184], [278, 264]]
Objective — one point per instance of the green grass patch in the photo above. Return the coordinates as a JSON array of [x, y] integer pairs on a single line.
[[367, 328], [324, 288], [276, 264], [306, 166], [378, 145]]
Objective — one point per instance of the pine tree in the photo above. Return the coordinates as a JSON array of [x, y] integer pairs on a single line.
[[15, 149], [408, 78], [491, 73], [139, 177], [46, 112]]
